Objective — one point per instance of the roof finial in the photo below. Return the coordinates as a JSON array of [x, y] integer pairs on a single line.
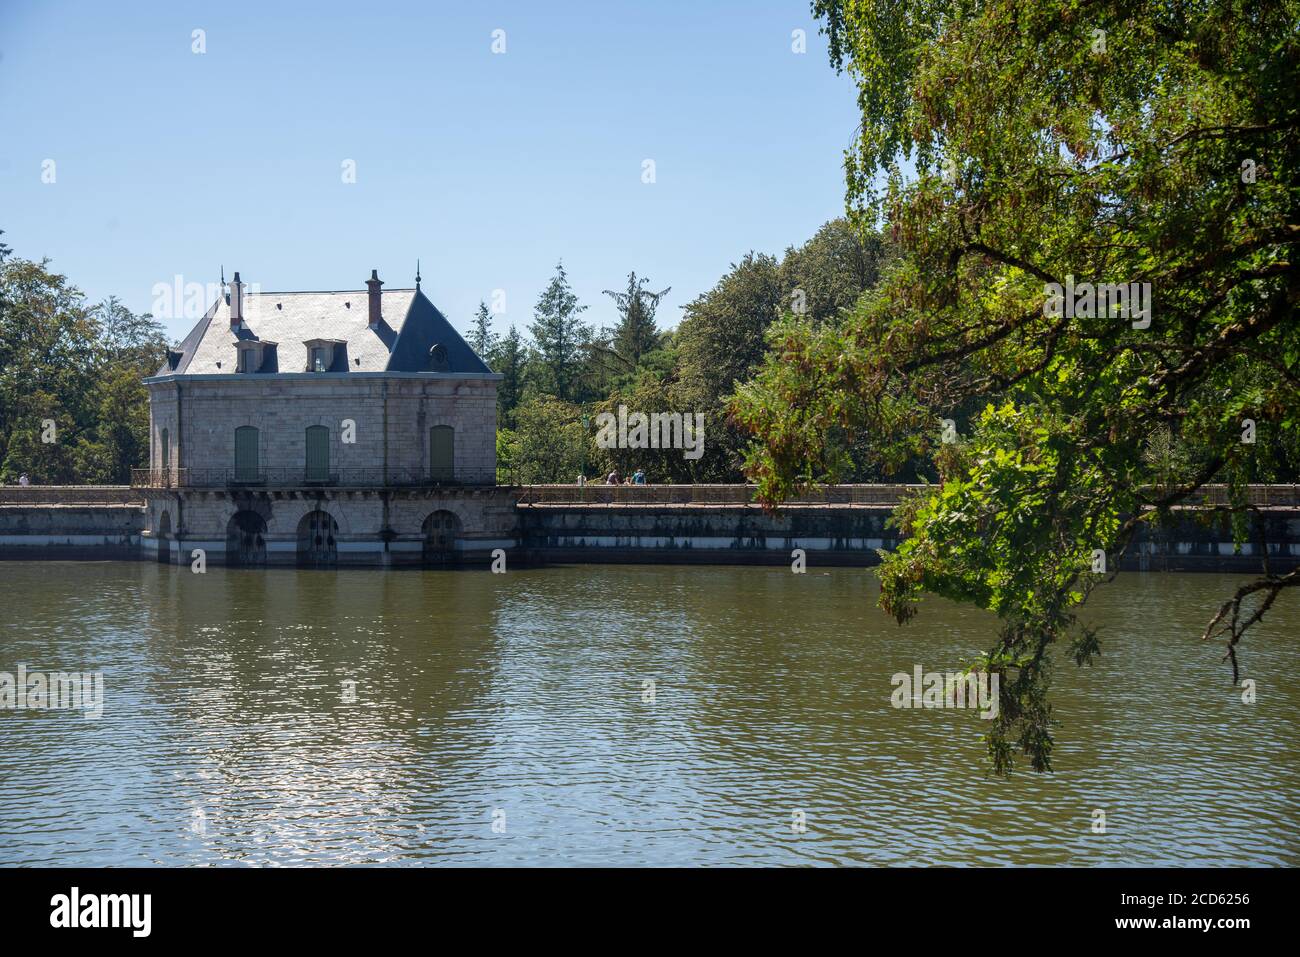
[[417, 275], [223, 276]]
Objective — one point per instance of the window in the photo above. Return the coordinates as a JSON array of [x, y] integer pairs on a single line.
[[245, 454], [318, 453], [251, 355], [165, 450], [438, 361], [442, 453], [322, 354]]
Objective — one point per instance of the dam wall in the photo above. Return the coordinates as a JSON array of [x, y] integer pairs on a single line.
[[704, 534], [53, 532], [851, 535], [848, 526]]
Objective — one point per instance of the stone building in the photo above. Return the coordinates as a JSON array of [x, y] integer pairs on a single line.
[[352, 427]]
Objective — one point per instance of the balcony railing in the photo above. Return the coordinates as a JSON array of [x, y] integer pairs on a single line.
[[307, 478]]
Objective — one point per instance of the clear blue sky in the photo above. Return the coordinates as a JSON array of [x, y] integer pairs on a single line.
[[487, 167]]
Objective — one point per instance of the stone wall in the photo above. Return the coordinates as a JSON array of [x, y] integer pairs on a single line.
[[386, 528], [374, 527], [1203, 542], [71, 531], [704, 534], [846, 535], [393, 414]]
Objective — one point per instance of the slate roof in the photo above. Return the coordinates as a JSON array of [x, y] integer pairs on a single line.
[[411, 326]]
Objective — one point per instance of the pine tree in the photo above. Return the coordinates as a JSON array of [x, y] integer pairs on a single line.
[[636, 333], [508, 358], [560, 337], [481, 339]]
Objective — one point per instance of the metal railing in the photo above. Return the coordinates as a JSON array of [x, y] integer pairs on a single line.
[[69, 495], [600, 494], [1261, 495], [1277, 496], [377, 477]]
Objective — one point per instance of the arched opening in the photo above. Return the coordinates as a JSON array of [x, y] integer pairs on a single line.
[[442, 453], [246, 539], [440, 530], [318, 539], [164, 537]]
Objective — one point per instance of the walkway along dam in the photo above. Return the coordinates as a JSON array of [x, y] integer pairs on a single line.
[[277, 520]]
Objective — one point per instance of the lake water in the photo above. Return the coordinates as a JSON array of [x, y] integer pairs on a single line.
[[506, 719]]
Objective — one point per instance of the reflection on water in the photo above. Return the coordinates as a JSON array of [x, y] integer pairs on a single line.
[[522, 700]]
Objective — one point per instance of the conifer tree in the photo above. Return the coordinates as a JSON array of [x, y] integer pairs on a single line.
[[560, 336]]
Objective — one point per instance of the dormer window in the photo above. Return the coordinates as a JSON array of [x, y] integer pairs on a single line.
[[438, 361], [321, 353], [251, 354]]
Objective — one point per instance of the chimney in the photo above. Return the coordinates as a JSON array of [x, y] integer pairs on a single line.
[[373, 284], [236, 304]]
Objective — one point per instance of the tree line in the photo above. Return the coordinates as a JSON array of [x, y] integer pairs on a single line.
[[73, 407], [81, 365], [567, 371]]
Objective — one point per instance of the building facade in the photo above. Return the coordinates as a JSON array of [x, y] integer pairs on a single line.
[[322, 428]]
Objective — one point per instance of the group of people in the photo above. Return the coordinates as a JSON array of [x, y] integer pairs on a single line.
[[614, 478], [23, 479]]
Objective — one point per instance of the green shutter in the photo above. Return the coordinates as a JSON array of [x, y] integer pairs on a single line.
[[246, 454], [442, 453], [318, 453]]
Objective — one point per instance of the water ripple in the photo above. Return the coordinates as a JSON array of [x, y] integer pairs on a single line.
[[625, 715]]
